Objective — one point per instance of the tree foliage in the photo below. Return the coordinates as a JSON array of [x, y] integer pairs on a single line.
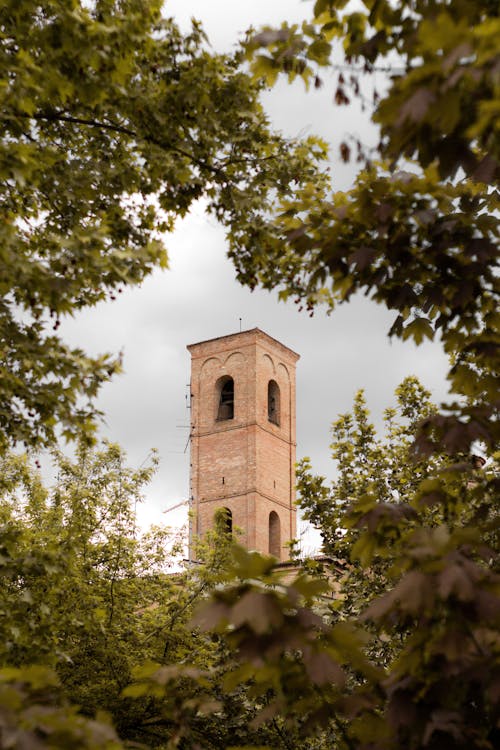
[[419, 230], [365, 463], [88, 601], [406, 653], [420, 593], [76, 574], [113, 123], [90, 617], [32, 715], [97, 645]]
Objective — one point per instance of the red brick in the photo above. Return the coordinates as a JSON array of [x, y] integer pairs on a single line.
[[246, 463]]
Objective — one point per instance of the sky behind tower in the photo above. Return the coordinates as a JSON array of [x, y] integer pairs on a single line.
[[198, 298]]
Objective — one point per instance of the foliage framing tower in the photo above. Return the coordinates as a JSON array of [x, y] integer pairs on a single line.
[[243, 438]]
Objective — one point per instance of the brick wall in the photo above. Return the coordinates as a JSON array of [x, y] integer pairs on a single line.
[[246, 463]]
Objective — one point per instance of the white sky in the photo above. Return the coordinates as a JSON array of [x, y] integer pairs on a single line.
[[198, 298]]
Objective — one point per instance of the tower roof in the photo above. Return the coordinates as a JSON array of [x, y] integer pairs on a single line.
[[244, 337]]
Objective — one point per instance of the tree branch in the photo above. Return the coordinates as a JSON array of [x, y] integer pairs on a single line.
[[116, 128]]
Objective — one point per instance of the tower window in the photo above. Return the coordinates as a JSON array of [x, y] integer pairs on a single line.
[[225, 391], [274, 535], [273, 402], [224, 520]]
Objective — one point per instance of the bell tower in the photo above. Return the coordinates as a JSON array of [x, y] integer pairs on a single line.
[[243, 438]]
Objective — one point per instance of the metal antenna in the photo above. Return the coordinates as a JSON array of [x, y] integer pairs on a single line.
[[189, 398], [189, 439], [177, 505], [240, 325]]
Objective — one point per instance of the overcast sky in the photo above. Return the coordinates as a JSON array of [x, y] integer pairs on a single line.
[[198, 298]]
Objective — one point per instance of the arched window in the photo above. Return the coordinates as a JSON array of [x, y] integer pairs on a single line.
[[273, 402], [224, 520], [225, 394], [274, 535]]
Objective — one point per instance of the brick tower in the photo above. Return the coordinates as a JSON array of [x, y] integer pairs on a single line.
[[243, 438]]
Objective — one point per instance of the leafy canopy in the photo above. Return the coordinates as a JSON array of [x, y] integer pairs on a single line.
[[411, 661], [397, 645], [419, 230], [415, 630], [113, 123], [90, 602]]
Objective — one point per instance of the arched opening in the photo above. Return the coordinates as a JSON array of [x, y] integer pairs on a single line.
[[274, 535], [225, 398], [225, 520], [273, 402]]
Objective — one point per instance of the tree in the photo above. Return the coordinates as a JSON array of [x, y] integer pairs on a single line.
[[32, 714], [279, 653], [366, 466], [406, 652], [366, 463], [95, 620], [113, 123], [85, 599], [77, 576], [419, 233]]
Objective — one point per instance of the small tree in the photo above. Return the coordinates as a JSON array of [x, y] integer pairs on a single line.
[[366, 463]]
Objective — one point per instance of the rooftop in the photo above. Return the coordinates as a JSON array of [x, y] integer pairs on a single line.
[[257, 333]]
